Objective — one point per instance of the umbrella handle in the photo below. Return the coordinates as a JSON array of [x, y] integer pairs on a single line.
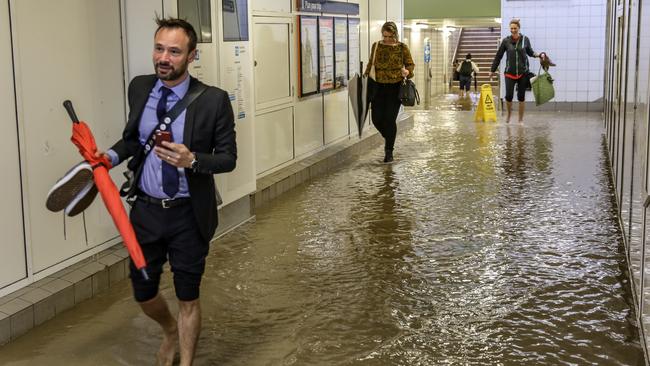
[[68, 107]]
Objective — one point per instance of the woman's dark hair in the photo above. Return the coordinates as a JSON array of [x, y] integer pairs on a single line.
[[469, 56], [172, 23]]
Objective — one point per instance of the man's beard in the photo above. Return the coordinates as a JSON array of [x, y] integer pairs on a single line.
[[173, 74]]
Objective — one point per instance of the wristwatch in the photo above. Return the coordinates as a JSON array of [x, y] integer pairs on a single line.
[[194, 165]]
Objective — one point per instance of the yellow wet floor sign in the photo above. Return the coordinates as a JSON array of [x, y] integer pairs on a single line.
[[485, 110]]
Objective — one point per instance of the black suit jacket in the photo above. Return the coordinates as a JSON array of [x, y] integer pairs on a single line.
[[209, 132]]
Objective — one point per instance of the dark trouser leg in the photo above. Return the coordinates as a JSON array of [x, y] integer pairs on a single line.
[[510, 91], [148, 224], [385, 108]]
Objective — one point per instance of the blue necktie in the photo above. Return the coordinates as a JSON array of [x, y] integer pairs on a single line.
[[169, 172]]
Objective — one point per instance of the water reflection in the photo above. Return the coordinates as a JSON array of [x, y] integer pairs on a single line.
[[483, 244]]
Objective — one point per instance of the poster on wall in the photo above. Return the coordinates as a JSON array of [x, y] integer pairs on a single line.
[[308, 55], [340, 52], [326, 52], [354, 46]]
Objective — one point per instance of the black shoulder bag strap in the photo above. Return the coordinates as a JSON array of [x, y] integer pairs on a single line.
[[171, 115], [167, 119]]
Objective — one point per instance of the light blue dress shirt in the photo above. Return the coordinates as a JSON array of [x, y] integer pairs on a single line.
[[151, 178]]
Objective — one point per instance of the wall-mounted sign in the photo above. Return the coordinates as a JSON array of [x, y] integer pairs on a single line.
[[328, 6], [354, 46], [308, 55], [427, 51], [340, 52], [326, 53]]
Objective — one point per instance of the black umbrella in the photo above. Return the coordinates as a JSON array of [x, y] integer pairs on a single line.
[[358, 94]]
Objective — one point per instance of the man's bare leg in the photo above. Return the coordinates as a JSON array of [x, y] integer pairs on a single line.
[[522, 107], [509, 109], [189, 328], [158, 310]]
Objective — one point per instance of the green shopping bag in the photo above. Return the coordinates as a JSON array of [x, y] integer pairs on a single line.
[[542, 86]]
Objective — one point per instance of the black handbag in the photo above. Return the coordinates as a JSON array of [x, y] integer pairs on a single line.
[[408, 94]]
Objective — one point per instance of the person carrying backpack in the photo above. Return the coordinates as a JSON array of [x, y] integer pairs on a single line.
[[465, 70]]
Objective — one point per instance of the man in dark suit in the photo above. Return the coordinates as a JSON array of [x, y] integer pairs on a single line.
[[175, 208]]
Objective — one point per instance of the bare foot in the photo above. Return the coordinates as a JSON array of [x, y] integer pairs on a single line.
[[167, 349]]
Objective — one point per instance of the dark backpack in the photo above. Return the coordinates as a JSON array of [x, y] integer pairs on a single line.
[[466, 68]]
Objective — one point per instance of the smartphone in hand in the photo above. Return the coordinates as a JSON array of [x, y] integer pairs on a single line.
[[161, 136]]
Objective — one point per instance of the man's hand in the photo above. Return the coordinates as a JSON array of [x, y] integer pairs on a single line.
[[491, 75], [405, 72], [177, 155], [102, 154]]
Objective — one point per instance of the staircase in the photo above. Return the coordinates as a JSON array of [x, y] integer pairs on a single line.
[[483, 44]]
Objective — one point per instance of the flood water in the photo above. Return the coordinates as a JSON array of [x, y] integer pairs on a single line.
[[482, 244]]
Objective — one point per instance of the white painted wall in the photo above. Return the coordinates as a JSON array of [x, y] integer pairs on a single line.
[[573, 34], [308, 125], [274, 138], [13, 262], [140, 27], [236, 77], [274, 6], [84, 65], [336, 115]]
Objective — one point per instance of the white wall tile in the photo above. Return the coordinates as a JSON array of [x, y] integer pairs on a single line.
[[573, 34]]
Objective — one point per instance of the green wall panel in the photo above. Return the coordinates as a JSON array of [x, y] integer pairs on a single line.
[[437, 9]]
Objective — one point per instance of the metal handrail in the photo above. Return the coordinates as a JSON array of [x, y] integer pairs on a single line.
[[460, 36], [451, 78]]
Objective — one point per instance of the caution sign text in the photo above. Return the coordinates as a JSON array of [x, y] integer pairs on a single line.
[[485, 111]]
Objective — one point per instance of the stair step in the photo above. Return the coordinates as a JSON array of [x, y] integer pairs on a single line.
[[473, 42], [482, 35], [478, 41], [478, 50], [482, 30]]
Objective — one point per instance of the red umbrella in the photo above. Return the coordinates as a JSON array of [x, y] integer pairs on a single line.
[[85, 142]]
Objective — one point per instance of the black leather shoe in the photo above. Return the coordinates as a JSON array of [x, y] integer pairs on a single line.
[[388, 157]]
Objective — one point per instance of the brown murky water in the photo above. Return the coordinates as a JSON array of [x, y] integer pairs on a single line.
[[483, 244]]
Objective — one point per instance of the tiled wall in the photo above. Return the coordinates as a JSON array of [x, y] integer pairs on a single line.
[[439, 54], [572, 32]]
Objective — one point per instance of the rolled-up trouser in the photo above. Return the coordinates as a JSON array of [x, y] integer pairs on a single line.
[[168, 234], [521, 88], [385, 108]]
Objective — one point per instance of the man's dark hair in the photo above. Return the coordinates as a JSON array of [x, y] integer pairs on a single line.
[[469, 56], [178, 23]]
